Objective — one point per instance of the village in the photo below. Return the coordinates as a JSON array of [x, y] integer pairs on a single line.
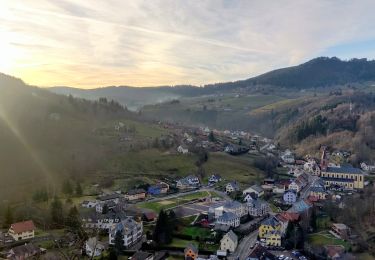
[[211, 217]]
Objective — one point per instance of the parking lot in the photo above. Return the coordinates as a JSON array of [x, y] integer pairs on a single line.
[[194, 208]]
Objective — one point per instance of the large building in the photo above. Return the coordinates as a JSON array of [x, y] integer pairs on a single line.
[[130, 230], [345, 177]]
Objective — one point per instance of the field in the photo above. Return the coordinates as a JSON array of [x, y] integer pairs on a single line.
[[170, 203], [324, 238]]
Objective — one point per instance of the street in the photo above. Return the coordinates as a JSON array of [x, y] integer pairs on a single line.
[[244, 247]]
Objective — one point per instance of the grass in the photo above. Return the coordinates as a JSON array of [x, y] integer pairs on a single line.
[[170, 203], [196, 232], [324, 238], [230, 167], [177, 242]]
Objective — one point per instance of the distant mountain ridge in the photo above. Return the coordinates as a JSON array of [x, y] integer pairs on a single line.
[[320, 72]]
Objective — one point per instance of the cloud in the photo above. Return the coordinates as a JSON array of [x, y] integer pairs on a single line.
[[148, 43]]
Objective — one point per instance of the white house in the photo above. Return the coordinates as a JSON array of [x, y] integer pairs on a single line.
[[295, 185], [190, 181], [256, 189], [290, 197], [288, 157], [232, 186], [130, 230], [258, 208], [229, 219], [88, 204], [236, 208], [215, 178], [94, 247], [22, 230], [229, 242], [182, 150]]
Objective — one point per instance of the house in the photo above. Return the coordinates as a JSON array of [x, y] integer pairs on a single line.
[[25, 251], [149, 216], [312, 167], [115, 197], [182, 150], [229, 242], [141, 255], [236, 149], [188, 182], [367, 167], [346, 177], [22, 230], [130, 230], [334, 252], [160, 188], [295, 185], [94, 247], [101, 205], [261, 253], [88, 204], [250, 197], [269, 225], [287, 157], [290, 197], [191, 252], [340, 230], [215, 178], [135, 194], [256, 189], [229, 219], [257, 208], [235, 207], [279, 188], [300, 207], [273, 238], [232, 187], [102, 221], [318, 192]]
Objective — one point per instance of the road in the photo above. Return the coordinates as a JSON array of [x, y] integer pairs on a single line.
[[244, 247], [305, 192]]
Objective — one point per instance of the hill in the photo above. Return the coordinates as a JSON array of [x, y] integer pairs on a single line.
[[317, 73]]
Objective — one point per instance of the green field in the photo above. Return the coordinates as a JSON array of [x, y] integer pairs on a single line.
[[196, 232], [170, 203], [324, 238]]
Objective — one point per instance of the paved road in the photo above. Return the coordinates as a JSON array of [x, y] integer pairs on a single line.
[[305, 192], [244, 247]]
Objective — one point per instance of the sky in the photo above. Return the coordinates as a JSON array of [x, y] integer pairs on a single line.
[[91, 43]]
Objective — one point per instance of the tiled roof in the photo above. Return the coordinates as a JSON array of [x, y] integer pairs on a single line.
[[23, 226], [344, 169], [232, 236], [227, 216], [271, 221]]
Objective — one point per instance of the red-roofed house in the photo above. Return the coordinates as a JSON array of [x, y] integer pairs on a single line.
[[22, 230]]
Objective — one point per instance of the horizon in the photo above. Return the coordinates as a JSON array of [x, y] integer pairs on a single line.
[[81, 45]]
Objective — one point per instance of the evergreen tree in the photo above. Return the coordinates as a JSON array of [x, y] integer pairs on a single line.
[[119, 242], [8, 217], [105, 209], [57, 216], [67, 188], [78, 189], [73, 220]]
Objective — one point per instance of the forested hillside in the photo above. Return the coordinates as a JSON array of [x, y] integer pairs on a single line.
[[46, 137]]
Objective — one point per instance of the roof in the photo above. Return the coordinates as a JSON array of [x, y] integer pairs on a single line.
[[227, 216], [334, 251], [271, 221], [191, 247], [93, 242], [234, 184], [141, 255], [23, 226], [232, 236], [299, 207], [126, 226], [232, 204], [150, 215], [340, 225], [221, 227], [344, 169], [317, 189], [29, 249], [260, 252], [255, 188], [288, 216]]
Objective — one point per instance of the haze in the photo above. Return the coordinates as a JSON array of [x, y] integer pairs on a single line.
[[149, 43]]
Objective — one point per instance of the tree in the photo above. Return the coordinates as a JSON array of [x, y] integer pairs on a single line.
[[211, 137], [119, 242], [163, 232], [8, 217], [105, 209], [57, 216], [67, 187], [78, 189], [73, 220]]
